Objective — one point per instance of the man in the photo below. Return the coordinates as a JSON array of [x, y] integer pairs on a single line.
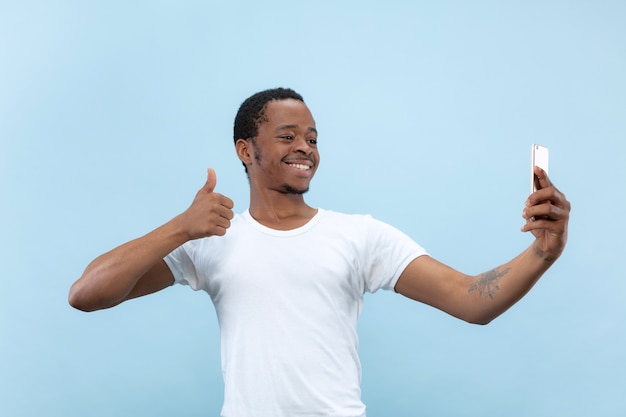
[[288, 280]]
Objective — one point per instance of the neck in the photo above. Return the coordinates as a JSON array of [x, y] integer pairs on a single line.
[[278, 210]]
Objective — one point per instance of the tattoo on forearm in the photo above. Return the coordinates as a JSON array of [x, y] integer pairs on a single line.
[[487, 283]]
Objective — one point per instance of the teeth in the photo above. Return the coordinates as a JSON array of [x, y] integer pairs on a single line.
[[300, 166]]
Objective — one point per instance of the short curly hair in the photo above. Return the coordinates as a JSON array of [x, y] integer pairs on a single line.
[[251, 113]]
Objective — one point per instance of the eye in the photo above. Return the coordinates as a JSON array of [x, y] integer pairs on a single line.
[[287, 137], [312, 141]]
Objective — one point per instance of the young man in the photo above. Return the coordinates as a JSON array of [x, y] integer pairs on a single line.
[[288, 280]]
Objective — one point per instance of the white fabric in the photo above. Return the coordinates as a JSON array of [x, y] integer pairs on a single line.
[[287, 303]]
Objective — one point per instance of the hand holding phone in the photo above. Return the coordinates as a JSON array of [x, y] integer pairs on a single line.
[[539, 157]]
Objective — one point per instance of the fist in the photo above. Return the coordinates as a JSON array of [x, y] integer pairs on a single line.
[[210, 213], [547, 216]]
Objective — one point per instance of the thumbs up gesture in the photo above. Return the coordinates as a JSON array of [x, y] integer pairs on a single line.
[[210, 213]]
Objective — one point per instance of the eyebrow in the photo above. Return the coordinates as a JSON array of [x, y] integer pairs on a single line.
[[282, 127]]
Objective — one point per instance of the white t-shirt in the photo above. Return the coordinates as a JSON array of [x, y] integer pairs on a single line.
[[287, 303]]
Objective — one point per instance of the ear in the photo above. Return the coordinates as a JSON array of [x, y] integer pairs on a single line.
[[244, 151]]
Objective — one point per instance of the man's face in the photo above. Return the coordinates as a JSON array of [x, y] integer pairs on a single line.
[[285, 155]]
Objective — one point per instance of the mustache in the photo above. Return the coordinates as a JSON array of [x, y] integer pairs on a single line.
[[299, 158]]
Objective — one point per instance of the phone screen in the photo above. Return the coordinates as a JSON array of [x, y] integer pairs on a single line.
[[539, 158]]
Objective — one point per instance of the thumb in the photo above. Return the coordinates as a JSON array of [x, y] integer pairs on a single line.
[[211, 181]]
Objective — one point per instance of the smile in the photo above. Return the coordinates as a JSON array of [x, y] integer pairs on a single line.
[[300, 166]]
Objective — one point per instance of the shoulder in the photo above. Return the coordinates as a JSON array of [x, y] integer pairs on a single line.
[[360, 226], [367, 227], [353, 220], [335, 216], [343, 221]]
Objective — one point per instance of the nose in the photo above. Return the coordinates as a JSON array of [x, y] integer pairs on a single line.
[[301, 144]]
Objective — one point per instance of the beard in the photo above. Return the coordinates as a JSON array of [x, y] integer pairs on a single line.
[[288, 189], [285, 188]]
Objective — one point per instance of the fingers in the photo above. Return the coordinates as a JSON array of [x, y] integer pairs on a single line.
[[219, 227], [211, 181], [549, 203], [546, 191], [220, 215], [541, 178], [225, 212], [221, 209], [227, 203], [545, 207], [540, 215], [210, 213]]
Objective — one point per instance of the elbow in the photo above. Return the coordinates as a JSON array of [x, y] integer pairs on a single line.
[[79, 300], [480, 316], [479, 319], [480, 322]]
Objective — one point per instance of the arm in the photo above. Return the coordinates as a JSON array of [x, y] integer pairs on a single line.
[[137, 268], [480, 299]]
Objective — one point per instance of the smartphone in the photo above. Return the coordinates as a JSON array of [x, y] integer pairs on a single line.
[[539, 157]]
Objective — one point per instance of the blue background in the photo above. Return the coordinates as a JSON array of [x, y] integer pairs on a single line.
[[111, 111]]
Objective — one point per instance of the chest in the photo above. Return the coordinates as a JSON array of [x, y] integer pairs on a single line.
[[302, 270]]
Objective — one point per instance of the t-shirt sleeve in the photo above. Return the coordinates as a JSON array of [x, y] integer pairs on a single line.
[[180, 263], [388, 253]]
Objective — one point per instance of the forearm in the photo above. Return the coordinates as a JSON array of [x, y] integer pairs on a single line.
[[493, 292], [476, 299], [110, 278]]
